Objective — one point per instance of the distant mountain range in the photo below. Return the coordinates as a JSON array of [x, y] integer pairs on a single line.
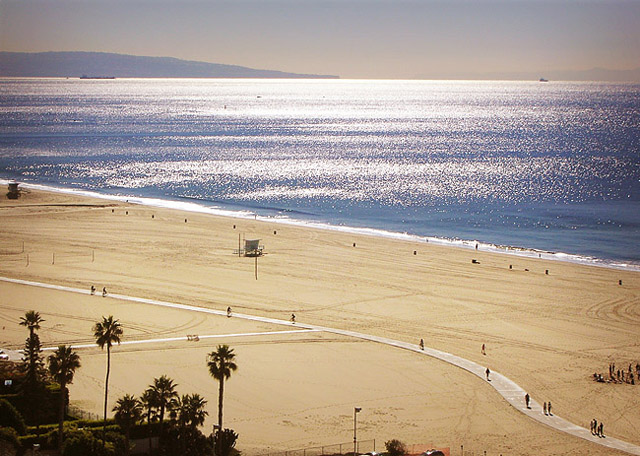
[[100, 64], [108, 65]]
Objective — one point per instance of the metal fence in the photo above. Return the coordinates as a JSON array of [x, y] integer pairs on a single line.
[[83, 414], [363, 446]]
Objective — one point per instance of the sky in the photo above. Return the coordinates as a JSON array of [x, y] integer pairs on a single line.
[[388, 39]]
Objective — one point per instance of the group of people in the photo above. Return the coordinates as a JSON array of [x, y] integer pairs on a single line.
[[546, 407], [618, 375], [624, 376], [597, 428], [104, 291]]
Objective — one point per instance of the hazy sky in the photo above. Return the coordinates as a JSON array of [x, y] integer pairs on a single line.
[[350, 38]]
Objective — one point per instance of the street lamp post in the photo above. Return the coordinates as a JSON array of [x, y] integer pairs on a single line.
[[356, 410]]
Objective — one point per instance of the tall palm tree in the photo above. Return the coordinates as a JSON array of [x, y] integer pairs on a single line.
[[165, 394], [62, 366], [128, 411], [33, 388], [107, 332], [221, 364], [31, 320]]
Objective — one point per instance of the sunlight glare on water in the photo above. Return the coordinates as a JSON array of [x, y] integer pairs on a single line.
[[518, 163]]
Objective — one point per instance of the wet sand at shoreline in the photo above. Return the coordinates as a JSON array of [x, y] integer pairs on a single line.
[[548, 333]]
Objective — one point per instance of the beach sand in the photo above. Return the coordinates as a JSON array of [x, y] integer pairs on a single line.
[[548, 333]]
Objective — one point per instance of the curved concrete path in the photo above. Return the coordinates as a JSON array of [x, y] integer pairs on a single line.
[[508, 389]]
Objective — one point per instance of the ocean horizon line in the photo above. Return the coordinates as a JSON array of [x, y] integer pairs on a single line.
[[215, 209]]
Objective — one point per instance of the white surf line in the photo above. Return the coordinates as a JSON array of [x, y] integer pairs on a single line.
[[508, 389], [186, 338]]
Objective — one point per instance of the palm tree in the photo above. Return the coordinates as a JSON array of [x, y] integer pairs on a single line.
[[148, 400], [221, 364], [62, 366], [32, 362], [128, 412], [33, 388], [107, 332], [165, 395], [32, 321], [189, 413], [190, 410]]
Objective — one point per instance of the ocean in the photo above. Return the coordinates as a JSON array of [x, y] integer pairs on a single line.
[[530, 168]]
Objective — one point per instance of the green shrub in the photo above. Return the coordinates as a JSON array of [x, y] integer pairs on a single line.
[[142, 430], [84, 443], [9, 436], [10, 417], [395, 447], [47, 405], [93, 423], [118, 441], [45, 441]]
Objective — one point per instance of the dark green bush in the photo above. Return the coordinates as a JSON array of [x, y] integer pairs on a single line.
[[47, 405], [395, 447], [9, 436], [84, 443], [141, 431], [10, 417], [45, 440]]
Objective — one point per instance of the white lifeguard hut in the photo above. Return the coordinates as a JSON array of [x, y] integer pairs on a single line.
[[14, 190], [252, 247], [249, 247]]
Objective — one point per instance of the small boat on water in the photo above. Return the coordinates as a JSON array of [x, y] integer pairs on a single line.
[[544, 80]]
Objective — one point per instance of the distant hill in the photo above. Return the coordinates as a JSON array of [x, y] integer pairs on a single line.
[[100, 64]]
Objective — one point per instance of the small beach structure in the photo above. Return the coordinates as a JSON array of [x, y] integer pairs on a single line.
[[14, 191], [249, 247], [252, 247]]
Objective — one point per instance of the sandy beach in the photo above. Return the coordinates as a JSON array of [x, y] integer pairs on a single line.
[[547, 332]]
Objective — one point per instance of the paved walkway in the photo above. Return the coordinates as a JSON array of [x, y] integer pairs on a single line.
[[509, 390]]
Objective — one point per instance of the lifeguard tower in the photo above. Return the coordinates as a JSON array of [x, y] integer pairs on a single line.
[[252, 247], [249, 247], [14, 191]]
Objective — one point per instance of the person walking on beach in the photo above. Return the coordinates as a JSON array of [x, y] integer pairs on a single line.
[[104, 291], [228, 312], [421, 344], [293, 318], [544, 408], [483, 350], [601, 430], [93, 290], [526, 400], [549, 408], [594, 426], [487, 372]]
